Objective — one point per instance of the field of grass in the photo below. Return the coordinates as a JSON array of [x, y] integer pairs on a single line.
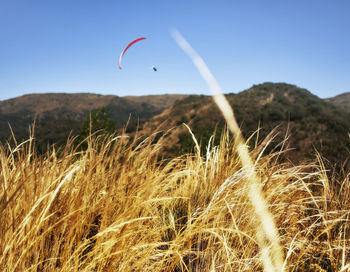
[[118, 207]]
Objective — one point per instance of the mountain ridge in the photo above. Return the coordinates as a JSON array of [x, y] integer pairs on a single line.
[[312, 122], [59, 114]]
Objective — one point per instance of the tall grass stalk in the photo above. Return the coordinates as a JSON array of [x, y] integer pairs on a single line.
[[267, 233]]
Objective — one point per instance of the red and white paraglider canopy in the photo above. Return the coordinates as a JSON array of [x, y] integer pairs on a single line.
[[126, 48]]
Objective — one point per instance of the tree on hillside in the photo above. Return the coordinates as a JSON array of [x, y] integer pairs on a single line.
[[99, 122]]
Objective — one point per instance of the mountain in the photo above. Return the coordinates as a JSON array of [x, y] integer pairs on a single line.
[[59, 114], [342, 100], [310, 122]]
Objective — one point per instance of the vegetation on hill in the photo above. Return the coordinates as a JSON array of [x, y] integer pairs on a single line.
[[160, 102], [309, 122], [342, 100], [59, 115]]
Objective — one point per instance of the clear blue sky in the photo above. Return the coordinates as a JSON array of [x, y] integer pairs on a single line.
[[74, 46]]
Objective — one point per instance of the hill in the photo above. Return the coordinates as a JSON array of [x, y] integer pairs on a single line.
[[310, 122], [59, 114]]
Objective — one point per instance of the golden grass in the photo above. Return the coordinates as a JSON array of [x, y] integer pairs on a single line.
[[117, 207]]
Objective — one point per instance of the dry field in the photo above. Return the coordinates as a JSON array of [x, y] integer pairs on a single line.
[[118, 207]]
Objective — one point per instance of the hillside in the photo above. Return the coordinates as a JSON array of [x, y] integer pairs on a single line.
[[159, 102], [342, 100], [59, 114], [310, 122]]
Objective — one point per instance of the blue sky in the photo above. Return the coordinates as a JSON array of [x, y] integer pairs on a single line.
[[74, 46]]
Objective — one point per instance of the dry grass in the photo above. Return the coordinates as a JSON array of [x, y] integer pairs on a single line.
[[117, 207]]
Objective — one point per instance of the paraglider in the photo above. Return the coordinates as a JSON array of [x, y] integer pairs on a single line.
[[127, 47]]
